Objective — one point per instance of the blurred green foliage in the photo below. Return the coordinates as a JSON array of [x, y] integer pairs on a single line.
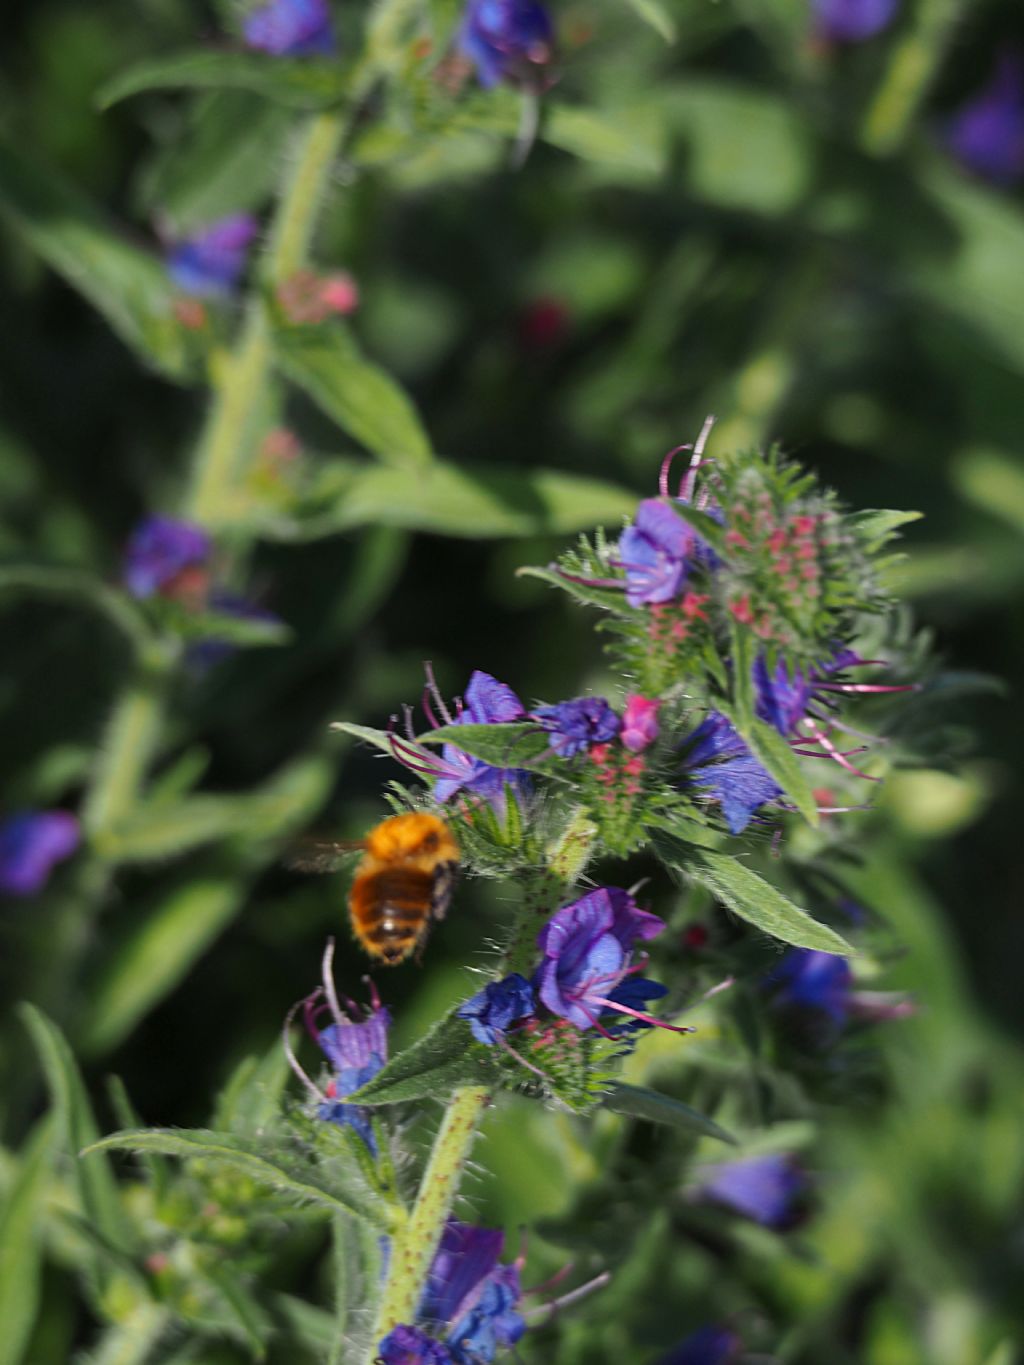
[[716, 217]]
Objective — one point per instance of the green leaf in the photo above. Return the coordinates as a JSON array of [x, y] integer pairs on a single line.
[[472, 500], [363, 399], [125, 1114], [750, 896], [262, 1162], [444, 1059], [775, 754], [630, 137], [163, 830], [876, 526], [606, 599], [638, 1102], [129, 287], [514, 744], [97, 1191], [227, 160], [21, 1232], [242, 1309], [133, 1341], [299, 83], [655, 14], [381, 739], [163, 943], [253, 1095], [743, 651]]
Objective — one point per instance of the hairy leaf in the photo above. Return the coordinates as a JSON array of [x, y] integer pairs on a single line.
[[262, 1162], [444, 1059], [638, 1102], [513, 744], [21, 1230], [299, 83]]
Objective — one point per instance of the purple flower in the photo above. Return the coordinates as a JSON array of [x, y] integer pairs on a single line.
[[212, 259], [291, 28], [586, 947], [505, 38], [707, 1346], [487, 702], [31, 843], [852, 21], [575, 725], [987, 134], [718, 760], [808, 979], [468, 1290], [409, 1346], [656, 552], [159, 551], [497, 1007], [356, 1049], [762, 1188]]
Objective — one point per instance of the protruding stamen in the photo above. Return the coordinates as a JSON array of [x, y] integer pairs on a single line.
[[574, 1296], [821, 738], [690, 481], [645, 1018], [666, 466], [289, 1053], [330, 994], [435, 694]]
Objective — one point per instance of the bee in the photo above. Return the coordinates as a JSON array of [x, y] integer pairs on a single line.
[[403, 883]]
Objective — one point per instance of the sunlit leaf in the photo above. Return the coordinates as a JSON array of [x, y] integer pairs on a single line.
[[641, 1103], [301, 83], [443, 1060]]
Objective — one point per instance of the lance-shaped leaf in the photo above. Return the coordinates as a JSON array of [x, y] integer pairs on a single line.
[[877, 526], [299, 84], [76, 1126], [381, 739], [641, 1103], [362, 398], [606, 599], [263, 1162], [21, 1232], [128, 286], [750, 896], [512, 744], [445, 1058]]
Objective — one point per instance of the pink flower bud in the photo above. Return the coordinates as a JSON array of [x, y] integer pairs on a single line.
[[639, 723]]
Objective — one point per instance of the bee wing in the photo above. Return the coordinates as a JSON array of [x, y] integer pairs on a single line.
[[321, 855], [441, 893]]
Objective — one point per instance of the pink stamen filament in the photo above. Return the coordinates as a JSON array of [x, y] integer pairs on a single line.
[[290, 1056], [636, 1014], [836, 755], [574, 1295], [666, 465], [435, 693], [590, 582], [505, 1047], [330, 994], [690, 481]]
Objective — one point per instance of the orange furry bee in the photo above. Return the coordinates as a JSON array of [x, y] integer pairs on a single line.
[[403, 883]]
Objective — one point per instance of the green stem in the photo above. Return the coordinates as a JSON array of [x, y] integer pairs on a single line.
[[414, 1247], [912, 68], [247, 370], [132, 736]]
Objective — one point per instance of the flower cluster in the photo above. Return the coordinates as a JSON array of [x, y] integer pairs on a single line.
[[469, 1307]]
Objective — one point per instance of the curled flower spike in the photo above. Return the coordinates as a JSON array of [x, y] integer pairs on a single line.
[[576, 725], [852, 21], [640, 723], [291, 28], [506, 39], [487, 702], [210, 261], [707, 1346], [764, 1189], [31, 845]]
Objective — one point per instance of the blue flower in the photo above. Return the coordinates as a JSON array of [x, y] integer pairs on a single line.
[[159, 551], [505, 38], [497, 1007], [356, 1050], [575, 725], [852, 21], [707, 1346], [762, 1188], [492, 1321], [719, 761], [291, 28], [487, 702], [987, 134], [31, 843], [813, 980], [409, 1346], [587, 947], [656, 553], [210, 261]]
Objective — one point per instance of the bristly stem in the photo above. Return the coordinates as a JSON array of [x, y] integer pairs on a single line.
[[414, 1247], [915, 60], [242, 386]]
